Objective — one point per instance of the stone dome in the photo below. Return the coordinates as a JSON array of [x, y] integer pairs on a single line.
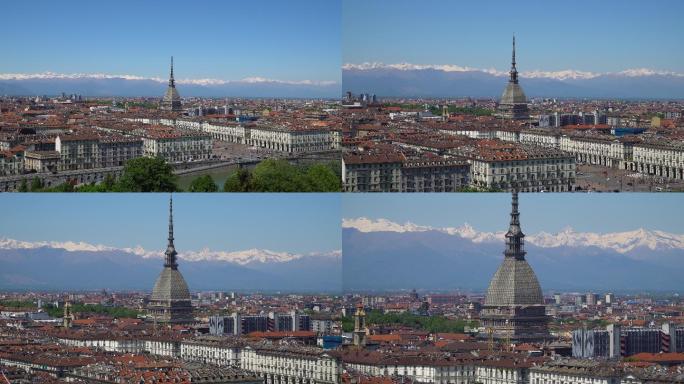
[[170, 286], [171, 100], [514, 283], [513, 94]]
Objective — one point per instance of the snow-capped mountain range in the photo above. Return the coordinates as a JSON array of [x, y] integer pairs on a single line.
[[382, 255], [622, 242], [556, 75], [243, 257], [82, 265], [100, 76], [103, 84], [451, 80]]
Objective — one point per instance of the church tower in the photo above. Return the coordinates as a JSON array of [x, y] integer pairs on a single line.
[[171, 100], [68, 315], [513, 103], [360, 329], [170, 300]]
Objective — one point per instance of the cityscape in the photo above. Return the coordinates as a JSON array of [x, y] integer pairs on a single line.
[[547, 145], [342, 192], [515, 317], [183, 115], [506, 99]]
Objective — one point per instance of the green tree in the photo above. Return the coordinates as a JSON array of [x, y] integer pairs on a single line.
[[17, 304], [23, 187], [427, 323], [277, 176], [347, 324], [64, 187], [204, 183], [336, 166], [36, 184], [108, 182], [238, 181], [100, 309], [145, 174], [92, 187], [320, 178]]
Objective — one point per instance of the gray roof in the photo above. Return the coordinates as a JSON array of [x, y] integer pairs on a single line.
[[513, 94], [170, 285], [514, 283], [171, 95]]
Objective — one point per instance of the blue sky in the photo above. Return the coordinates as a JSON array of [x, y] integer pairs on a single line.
[[295, 223], [599, 36], [539, 212], [229, 40]]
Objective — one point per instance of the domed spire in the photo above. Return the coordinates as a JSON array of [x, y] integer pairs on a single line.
[[514, 305], [170, 299], [514, 236], [170, 248], [514, 71], [171, 100], [172, 81]]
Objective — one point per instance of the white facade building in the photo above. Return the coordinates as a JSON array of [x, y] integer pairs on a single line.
[[290, 140], [548, 171], [664, 159], [422, 369], [575, 372], [215, 352], [177, 148], [295, 365], [11, 164]]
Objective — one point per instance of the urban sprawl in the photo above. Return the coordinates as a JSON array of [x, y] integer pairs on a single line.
[[542, 145], [512, 334], [69, 139]]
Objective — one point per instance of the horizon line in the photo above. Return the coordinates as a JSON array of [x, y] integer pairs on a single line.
[[18, 76]]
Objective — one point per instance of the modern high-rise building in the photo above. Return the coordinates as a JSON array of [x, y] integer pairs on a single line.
[[171, 100], [610, 298], [557, 299], [592, 298], [170, 300], [514, 306], [616, 341], [513, 103]]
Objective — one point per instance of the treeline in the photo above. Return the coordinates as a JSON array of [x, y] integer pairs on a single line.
[[17, 304], [281, 176], [437, 110], [142, 174], [146, 174], [475, 111], [427, 323], [54, 311], [478, 189], [99, 309]]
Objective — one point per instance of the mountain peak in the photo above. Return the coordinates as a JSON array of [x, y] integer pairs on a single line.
[[621, 242], [243, 257], [451, 80]]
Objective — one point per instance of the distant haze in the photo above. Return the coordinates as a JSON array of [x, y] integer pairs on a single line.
[[446, 81], [48, 267], [381, 255], [132, 86]]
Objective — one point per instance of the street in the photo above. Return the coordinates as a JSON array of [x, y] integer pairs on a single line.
[[602, 179]]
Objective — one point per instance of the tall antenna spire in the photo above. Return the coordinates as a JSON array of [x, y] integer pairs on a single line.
[[514, 236], [514, 71], [170, 248], [172, 82], [515, 215], [513, 61], [171, 219]]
